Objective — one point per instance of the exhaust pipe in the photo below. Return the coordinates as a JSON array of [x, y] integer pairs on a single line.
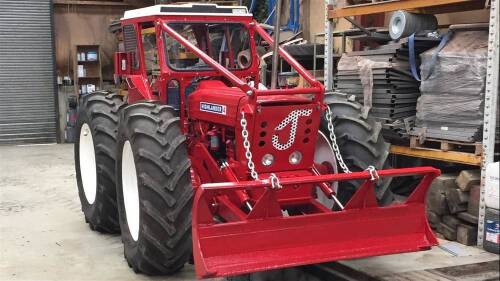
[[276, 44]]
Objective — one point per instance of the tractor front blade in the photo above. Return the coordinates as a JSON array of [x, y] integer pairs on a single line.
[[266, 239]]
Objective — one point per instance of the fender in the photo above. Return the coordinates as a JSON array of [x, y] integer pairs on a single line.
[[139, 89]]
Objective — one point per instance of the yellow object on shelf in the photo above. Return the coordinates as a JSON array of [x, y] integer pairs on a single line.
[[437, 154]]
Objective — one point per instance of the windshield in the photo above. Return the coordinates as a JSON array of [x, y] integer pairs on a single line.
[[226, 43]]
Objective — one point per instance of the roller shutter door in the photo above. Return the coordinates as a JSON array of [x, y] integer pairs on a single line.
[[27, 86]]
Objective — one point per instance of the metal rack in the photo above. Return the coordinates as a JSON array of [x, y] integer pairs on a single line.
[[425, 6], [490, 108], [492, 77]]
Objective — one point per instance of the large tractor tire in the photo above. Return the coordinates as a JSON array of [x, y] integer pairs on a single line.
[[154, 189], [361, 145], [95, 152]]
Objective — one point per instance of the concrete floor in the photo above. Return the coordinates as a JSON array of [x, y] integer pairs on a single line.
[[413, 266], [43, 235]]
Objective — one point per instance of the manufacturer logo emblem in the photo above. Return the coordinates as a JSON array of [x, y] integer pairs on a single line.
[[292, 118], [213, 108]]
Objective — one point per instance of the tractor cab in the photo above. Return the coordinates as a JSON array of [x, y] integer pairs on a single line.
[[168, 70]]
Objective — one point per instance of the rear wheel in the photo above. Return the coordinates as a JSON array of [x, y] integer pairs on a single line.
[[95, 151], [154, 189], [361, 145]]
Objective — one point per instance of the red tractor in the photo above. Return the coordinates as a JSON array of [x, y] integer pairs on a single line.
[[201, 161]]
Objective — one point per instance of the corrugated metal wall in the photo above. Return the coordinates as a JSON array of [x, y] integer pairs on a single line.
[[27, 92]]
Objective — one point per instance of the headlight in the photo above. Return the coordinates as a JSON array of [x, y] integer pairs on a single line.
[[267, 160], [295, 158]]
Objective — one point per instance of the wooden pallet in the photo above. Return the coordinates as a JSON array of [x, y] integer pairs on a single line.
[[362, 2], [427, 6], [218, 2], [437, 154], [446, 145]]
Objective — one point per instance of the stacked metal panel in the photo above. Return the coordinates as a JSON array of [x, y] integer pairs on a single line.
[[383, 74], [453, 85]]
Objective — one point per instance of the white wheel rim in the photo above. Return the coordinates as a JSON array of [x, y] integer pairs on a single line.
[[88, 167], [130, 190], [324, 153]]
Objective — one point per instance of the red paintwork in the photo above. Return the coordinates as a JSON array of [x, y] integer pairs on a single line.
[[261, 239], [304, 141], [265, 239], [230, 97]]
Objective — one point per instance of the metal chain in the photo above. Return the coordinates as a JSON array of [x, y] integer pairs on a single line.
[[333, 139], [246, 145]]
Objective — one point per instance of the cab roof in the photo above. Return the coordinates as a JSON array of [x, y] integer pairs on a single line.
[[188, 9]]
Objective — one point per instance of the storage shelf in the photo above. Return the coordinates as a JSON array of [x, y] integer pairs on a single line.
[[437, 154], [425, 6], [92, 68], [492, 77]]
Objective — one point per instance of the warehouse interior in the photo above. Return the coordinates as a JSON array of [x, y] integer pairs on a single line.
[[403, 180]]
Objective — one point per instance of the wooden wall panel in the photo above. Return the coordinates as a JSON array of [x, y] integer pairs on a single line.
[[313, 22], [84, 25]]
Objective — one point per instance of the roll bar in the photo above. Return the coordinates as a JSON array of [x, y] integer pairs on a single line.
[[316, 87]]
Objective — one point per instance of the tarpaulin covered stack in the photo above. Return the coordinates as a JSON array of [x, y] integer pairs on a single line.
[[381, 80], [452, 89]]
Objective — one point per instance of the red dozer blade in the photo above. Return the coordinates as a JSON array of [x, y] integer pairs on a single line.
[[266, 239]]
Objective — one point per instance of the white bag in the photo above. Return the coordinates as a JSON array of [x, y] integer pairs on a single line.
[[492, 186]]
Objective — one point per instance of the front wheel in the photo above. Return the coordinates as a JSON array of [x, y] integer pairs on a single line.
[[154, 189]]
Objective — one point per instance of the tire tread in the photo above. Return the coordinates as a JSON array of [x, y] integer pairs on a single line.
[[162, 163], [360, 141], [100, 109]]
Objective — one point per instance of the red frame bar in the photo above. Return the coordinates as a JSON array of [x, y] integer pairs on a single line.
[[206, 58], [288, 58], [316, 87], [365, 175]]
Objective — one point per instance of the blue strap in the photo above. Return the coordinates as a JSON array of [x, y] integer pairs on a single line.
[[271, 8], [413, 65], [252, 6], [444, 39]]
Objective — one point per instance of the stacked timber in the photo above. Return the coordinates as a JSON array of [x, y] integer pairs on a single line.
[[453, 206], [381, 80]]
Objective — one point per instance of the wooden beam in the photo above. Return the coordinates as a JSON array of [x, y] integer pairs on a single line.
[[468, 6], [91, 3], [394, 5], [436, 154]]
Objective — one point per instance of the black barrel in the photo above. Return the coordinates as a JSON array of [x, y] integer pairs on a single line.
[[492, 231]]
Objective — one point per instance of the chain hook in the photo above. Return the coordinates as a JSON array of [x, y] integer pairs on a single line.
[[275, 181], [373, 173]]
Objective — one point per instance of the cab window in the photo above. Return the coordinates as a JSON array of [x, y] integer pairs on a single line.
[[152, 67], [226, 43]]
